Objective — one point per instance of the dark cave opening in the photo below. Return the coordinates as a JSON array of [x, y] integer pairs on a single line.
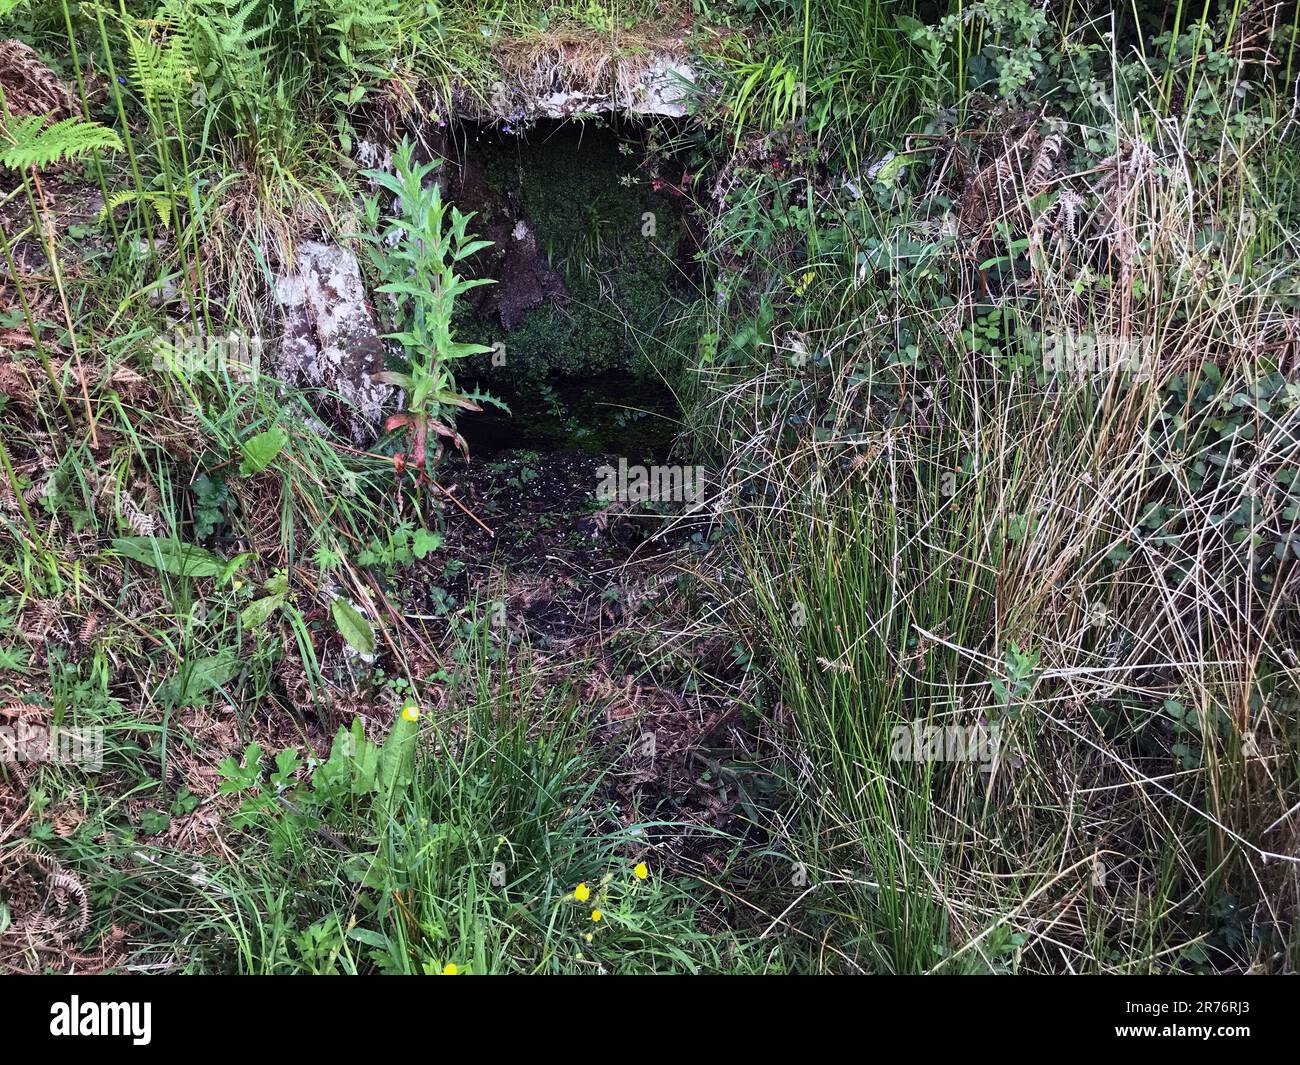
[[594, 263]]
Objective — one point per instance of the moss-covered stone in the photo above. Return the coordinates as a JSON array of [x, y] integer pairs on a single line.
[[603, 228]]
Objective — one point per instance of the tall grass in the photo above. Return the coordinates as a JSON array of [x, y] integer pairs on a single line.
[[938, 529], [928, 524]]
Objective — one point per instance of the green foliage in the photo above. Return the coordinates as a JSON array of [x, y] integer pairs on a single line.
[[919, 499], [33, 143], [231, 46], [260, 451], [160, 204], [921, 481], [590, 206], [355, 770], [469, 855], [415, 253], [399, 545], [194, 681], [163, 55], [180, 559], [1014, 687], [1207, 440], [353, 627], [362, 35], [1015, 31]]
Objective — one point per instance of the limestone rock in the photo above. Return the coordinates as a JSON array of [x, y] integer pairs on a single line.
[[524, 278], [557, 86], [330, 338]]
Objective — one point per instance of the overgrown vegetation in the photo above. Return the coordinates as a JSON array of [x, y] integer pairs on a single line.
[[988, 336], [612, 232]]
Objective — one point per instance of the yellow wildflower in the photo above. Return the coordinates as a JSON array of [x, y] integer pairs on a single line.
[[411, 712], [596, 915], [641, 871], [450, 969], [582, 893]]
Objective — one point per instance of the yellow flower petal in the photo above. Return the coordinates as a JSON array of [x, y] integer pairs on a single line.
[[582, 893], [596, 915], [641, 871], [411, 712], [450, 969]]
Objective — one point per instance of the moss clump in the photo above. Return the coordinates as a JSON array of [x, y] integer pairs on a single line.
[[609, 234]]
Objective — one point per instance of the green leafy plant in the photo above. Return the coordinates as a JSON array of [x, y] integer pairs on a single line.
[[356, 771], [260, 451], [399, 545], [415, 255], [31, 143]]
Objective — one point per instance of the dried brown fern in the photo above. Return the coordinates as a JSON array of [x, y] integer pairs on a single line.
[[31, 87], [24, 712], [35, 927], [37, 620], [89, 627], [136, 518]]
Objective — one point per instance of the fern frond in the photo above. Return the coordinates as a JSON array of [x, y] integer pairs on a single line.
[[32, 144], [231, 53], [159, 202], [161, 57]]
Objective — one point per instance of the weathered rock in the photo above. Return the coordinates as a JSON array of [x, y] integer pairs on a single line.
[[659, 89], [561, 85], [330, 339], [662, 89], [524, 278]]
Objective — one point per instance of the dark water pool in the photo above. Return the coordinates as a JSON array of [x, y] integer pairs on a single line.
[[611, 413]]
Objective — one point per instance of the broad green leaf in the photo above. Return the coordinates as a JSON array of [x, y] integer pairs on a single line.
[[397, 755], [260, 450], [171, 556], [354, 628], [195, 679], [255, 615], [233, 566]]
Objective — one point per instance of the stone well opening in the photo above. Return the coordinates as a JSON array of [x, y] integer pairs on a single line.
[[593, 256]]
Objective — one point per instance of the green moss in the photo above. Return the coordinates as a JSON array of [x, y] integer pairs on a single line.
[[592, 209]]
